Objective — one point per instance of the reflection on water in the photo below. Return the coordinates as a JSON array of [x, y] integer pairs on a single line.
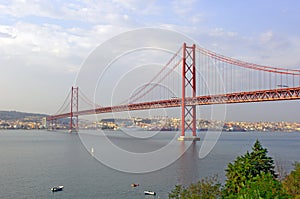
[[187, 170]]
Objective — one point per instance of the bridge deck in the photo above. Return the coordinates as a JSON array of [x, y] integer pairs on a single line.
[[239, 97]]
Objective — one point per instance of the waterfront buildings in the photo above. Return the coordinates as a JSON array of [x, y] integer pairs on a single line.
[[156, 123]]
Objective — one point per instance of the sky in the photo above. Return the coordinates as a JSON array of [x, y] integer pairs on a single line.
[[44, 43]]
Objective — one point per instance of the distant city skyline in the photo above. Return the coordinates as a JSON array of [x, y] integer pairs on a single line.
[[44, 44]]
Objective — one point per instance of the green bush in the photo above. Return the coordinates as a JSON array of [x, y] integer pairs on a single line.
[[250, 176], [263, 186], [208, 188], [292, 182]]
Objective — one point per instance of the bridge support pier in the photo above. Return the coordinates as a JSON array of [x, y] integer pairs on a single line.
[[188, 138], [188, 111]]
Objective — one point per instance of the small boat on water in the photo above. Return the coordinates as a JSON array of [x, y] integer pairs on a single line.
[[134, 185], [150, 193], [57, 188]]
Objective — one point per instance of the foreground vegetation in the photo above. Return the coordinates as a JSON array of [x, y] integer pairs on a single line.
[[250, 176]]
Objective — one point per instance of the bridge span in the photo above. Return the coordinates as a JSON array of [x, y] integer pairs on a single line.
[[207, 78]]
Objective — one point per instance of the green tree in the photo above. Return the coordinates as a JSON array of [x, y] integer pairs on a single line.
[[208, 188], [247, 167], [250, 176], [263, 186], [292, 182], [260, 161]]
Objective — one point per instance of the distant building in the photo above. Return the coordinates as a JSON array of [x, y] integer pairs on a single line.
[[44, 122]]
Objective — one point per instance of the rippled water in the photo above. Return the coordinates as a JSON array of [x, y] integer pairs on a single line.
[[34, 161]]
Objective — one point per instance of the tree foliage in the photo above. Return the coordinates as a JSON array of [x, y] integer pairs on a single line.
[[248, 167], [260, 161], [208, 188], [263, 186], [292, 182], [250, 176]]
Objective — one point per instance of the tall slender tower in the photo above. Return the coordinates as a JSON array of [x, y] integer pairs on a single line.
[[74, 110], [188, 111]]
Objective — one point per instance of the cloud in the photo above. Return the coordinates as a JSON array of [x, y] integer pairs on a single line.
[[52, 47], [216, 32], [21, 8], [232, 34], [220, 32], [79, 26], [150, 7], [93, 12], [7, 32], [6, 35], [266, 47], [183, 8], [57, 36], [266, 36], [36, 46]]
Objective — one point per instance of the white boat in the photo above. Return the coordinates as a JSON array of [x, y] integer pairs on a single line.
[[150, 193], [57, 188]]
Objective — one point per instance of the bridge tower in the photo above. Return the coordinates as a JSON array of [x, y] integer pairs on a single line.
[[188, 112], [74, 109]]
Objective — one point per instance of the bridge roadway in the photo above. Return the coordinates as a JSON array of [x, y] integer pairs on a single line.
[[239, 97]]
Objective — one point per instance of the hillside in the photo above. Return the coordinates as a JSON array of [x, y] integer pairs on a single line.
[[15, 115]]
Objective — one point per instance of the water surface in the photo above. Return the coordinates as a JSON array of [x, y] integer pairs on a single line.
[[33, 161]]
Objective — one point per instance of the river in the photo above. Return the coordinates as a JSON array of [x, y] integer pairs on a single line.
[[85, 163]]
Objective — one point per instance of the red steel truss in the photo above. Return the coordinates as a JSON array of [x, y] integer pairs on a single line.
[[240, 97]]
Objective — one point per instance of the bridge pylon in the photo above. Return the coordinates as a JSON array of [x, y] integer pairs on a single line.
[[188, 112], [74, 110]]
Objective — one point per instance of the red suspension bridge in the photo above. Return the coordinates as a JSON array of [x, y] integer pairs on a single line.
[[196, 76]]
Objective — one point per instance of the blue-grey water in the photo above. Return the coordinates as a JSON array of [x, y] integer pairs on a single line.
[[34, 161]]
